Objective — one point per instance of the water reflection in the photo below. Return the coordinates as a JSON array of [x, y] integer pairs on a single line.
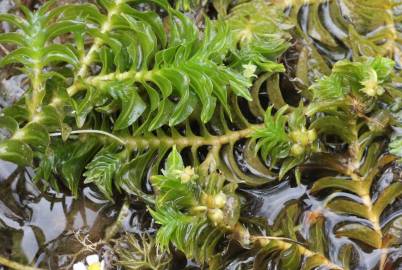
[[38, 227]]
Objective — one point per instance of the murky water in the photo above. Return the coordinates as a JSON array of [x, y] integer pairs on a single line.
[[35, 226]]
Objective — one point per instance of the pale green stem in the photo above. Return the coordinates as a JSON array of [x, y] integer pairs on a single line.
[[118, 224], [97, 81], [104, 28], [17, 266], [144, 142], [91, 131]]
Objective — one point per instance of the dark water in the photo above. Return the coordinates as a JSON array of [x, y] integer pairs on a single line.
[[35, 226]]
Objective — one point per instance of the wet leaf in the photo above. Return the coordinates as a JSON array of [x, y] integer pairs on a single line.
[[16, 151]]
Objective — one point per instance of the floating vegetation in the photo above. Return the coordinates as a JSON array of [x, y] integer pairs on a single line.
[[206, 134]]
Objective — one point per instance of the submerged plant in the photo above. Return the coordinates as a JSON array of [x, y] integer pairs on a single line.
[[141, 253], [190, 106]]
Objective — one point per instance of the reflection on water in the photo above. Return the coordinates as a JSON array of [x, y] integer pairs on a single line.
[[38, 227], [270, 202]]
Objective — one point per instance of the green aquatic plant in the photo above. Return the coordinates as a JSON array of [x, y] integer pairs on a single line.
[[155, 80], [347, 104], [190, 105], [197, 208], [140, 253], [285, 137]]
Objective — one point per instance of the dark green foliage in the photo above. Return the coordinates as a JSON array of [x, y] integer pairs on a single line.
[[140, 253], [259, 32], [285, 137], [101, 171], [118, 90], [193, 210]]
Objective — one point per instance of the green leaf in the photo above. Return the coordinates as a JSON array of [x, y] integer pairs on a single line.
[[289, 164], [101, 171], [337, 183], [290, 258], [395, 147], [33, 134], [74, 162], [348, 207], [132, 105], [329, 88], [8, 123], [174, 163], [16, 151], [83, 107], [62, 27], [13, 38], [387, 196], [60, 53], [273, 140], [18, 56], [334, 125], [15, 20], [361, 233], [382, 66], [162, 116]]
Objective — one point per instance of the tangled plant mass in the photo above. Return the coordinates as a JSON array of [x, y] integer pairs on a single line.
[[188, 105]]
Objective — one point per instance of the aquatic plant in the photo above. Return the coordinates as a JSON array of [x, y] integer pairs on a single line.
[[187, 111]]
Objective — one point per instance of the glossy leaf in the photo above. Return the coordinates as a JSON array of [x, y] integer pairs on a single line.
[[16, 151]]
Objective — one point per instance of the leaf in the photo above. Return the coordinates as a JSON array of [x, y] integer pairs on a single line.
[[189, 234], [73, 162], [101, 171], [60, 53], [173, 163], [33, 134], [289, 164], [387, 196], [348, 207], [273, 140], [15, 20], [382, 66], [8, 123], [62, 27], [16, 151], [337, 183], [395, 147], [334, 125], [290, 258], [13, 38], [132, 105], [83, 107], [139, 252], [329, 88], [361, 233], [18, 56]]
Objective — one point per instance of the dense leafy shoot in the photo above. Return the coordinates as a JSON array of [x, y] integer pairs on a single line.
[[193, 106], [188, 205]]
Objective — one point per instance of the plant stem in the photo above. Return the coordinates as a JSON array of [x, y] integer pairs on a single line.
[[97, 81], [144, 141], [112, 230], [364, 191], [230, 136], [17, 266], [91, 131], [104, 28]]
